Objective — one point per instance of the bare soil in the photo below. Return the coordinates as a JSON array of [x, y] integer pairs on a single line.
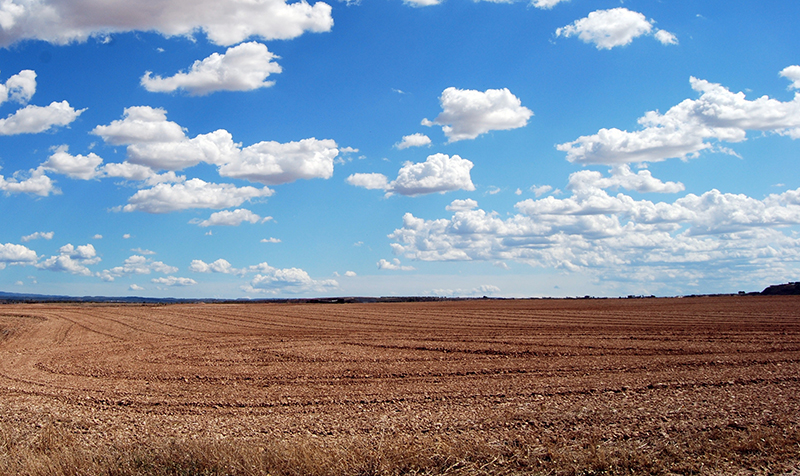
[[701, 385]]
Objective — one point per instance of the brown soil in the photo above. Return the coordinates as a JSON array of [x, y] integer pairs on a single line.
[[705, 385]]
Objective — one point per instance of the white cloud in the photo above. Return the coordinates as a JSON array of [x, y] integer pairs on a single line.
[[34, 119], [422, 3], [372, 181], [194, 193], [13, 254], [792, 73], [271, 240], [459, 205], [143, 251], [540, 190], [350, 274], [135, 287], [414, 140], [136, 264], [273, 163], [225, 22], [615, 27], [683, 131], [19, 88], [72, 260], [219, 266], [129, 171], [39, 234], [98, 236], [666, 38], [546, 4], [34, 182], [244, 67], [230, 218], [439, 173], [157, 143], [82, 167], [393, 265], [288, 280], [617, 238], [467, 113], [174, 281]]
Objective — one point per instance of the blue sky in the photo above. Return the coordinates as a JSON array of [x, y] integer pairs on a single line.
[[461, 148]]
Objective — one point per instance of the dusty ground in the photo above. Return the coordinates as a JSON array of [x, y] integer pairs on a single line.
[[705, 385]]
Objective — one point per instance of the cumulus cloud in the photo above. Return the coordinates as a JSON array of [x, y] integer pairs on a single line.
[[34, 182], [72, 259], [225, 22], [84, 167], [231, 218], [615, 27], [157, 143], [13, 254], [439, 173], [174, 281], [219, 266], [243, 67], [616, 237], [467, 113], [666, 38], [414, 140], [460, 205], [136, 172], [134, 265], [684, 130], [34, 119], [792, 73], [38, 235], [19, 88], [194, 193], [394, 265], [270, 240], [422, 3], [273, 163], [287, 280]]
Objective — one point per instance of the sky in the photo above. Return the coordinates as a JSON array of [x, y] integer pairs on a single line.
[[265, 149]]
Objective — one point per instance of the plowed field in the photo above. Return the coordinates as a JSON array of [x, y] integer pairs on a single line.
[[706, 385]]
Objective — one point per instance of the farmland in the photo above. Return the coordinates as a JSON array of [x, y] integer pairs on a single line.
[[704, 385]]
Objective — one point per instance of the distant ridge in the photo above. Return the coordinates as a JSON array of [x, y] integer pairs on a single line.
[[782, 289]]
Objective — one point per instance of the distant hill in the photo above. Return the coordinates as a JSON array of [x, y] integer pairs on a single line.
[[782, 289]]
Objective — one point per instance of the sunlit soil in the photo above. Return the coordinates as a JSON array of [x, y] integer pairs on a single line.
[[706, 385]]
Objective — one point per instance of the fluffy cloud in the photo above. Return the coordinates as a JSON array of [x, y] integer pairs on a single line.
[[225, 22], [241, 68], [288, 280], [792, 73], [615, 237], [414, 140], [157, 143], [683, 131], [393, 265], [39, 235], [194, 193], [439, 173], [136, 264], [174, 281], [34, 119], [19, 88], [34, 182], [218, 266], [231, 218], [467, 113], [129, 171], [273, 163], [72, 259], [82, 167], [461, 205], [14, 254], [614, 27]]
